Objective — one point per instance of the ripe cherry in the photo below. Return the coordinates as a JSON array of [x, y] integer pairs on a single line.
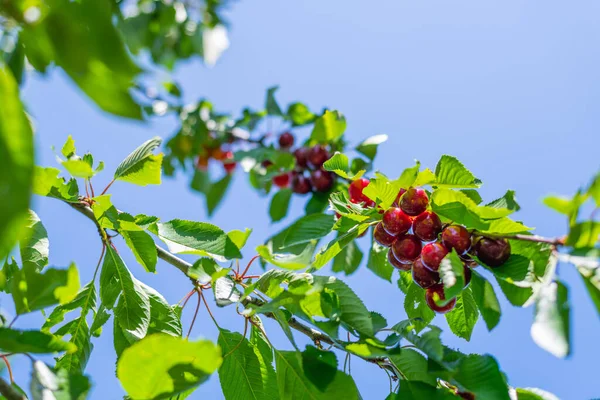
[[229, 166], [396, 263], [286, 140], [300, 184], [396, 222], [321, 180], [407, 248], [397, 201], [467, 274], [382, 237], [301, 155], [414, 201], [493, 252], [282, 180], [433, 254], [317, 155], [429, 299], [456, 237], [427, 226], [355, 191], [423, 276]]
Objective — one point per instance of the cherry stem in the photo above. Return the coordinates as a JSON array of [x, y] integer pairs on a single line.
[[249, 264], [107, 186], [186, 298], [195, 314], [10, 374], [13, 321], [241, 340], [91, 187], [208, 309]]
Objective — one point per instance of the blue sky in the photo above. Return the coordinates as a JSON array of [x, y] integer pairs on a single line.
[[510, 88]]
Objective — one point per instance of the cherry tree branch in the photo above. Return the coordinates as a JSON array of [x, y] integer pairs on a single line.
[[9, 392]]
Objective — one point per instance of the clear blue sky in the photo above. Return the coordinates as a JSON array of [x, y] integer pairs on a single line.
[[510, 88]]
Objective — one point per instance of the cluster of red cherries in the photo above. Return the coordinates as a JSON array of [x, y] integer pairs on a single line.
[[309, 175], [419, 241], [225, 157]]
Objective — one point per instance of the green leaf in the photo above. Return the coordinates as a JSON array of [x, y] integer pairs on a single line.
[[280, 204], [416, 308], [160, 366], [591, 279], [141, 167], [288, 259], [452, 274], [143, 248], [339, 164], [378, 262], [319, 366], [200, 238], [264, 353], [241, 372], [271, 104], [293, 383], [299, 114], [48, 384], [216, 193], [410, 390], [584, 234], [384, 191], [463, 317], [451, 173], [534, 394], [481, 375], [78, 168], [348, 260], [353, 312], [32, 290], [369, 146], [163, 318], [309, 228], [413, 365], [508, 201], [18, 341], [16, 153], [551, 325], [335, 246], [328, 128], [68, 148], [226, 292], [486, 300], [34, 243], [47, 183], [75, 362]]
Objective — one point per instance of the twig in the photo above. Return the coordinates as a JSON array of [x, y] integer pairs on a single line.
[[530, 238]]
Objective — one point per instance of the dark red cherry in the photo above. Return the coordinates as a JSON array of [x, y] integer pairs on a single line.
[[467, 274], [439, 289], [427, 226], [282, 180], [396, 263], [432, 255], [301, 184], [355, 191], [322, 181], [317, 155], [382, 237], [456, 237], [286, 140], [301, 155], [414, 201], [407, 248], [266, 163], [397, 201], [228, 162], [423, 276], [465, 395], [493, 252], [396, 222]]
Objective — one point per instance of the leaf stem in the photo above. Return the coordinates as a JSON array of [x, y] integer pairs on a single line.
[[107, 187], [195, 315], [9, 369]]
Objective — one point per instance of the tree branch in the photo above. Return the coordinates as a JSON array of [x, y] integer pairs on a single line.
[[9, 392], [530, 238]]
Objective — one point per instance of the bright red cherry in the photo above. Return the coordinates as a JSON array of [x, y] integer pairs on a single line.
[[423, 276], [317, 155], [321, 180], [300, 184], [414, 201], [396, 222], [439, 289], [433, 254], [355, 191], [396, 263], [301, 155], [456, 237], [282, 180], [397, 201], [229, 166], [286, 140], [493, 252], [467, 274], [407, 248], [382, 237], [427, 226]]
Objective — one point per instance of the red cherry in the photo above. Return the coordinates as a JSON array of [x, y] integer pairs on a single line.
[[432, 255], [286, 140], [423, 276], [317, 155], [467, 274], [427, 226], [382, 237], [321, 180], [396, 202], [229, 166], [439, 289], [414, 201], [301, 155], [396, 263], [282, 180], [355, 191], [396, 222], [407, 248], [266, 163], [493, 252], [300, 184], [456, 237]]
